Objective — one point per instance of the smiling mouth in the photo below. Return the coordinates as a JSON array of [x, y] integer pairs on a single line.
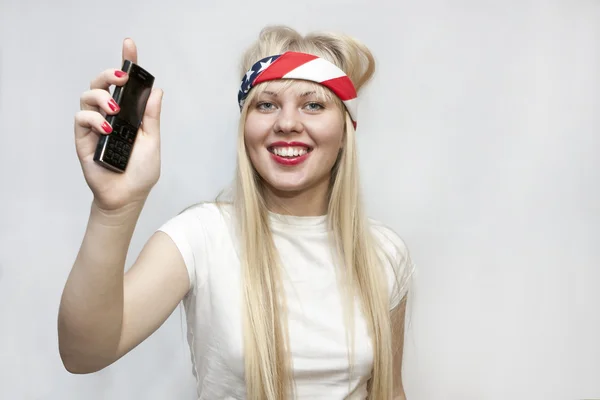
[[289, 151]]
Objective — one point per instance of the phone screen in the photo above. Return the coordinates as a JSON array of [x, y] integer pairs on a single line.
[[134, 97]]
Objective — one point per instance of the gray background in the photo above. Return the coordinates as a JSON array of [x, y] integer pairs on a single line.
[[478, 141]]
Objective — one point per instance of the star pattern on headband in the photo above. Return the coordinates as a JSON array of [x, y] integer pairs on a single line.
[[265, 65], [251, 75]]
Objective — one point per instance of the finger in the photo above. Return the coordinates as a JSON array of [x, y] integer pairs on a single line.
[[86, 120], [129, 51], [151, 119], [109, 77], [98, 99]]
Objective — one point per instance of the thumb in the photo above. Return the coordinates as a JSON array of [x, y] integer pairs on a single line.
[[151, 119]]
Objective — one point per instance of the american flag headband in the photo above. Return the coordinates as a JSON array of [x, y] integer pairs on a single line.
[[294, 65]]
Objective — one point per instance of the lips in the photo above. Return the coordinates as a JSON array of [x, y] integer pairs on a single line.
[[289, 149], [289, 153]]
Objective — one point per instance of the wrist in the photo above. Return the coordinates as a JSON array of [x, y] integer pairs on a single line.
[[124, 215]]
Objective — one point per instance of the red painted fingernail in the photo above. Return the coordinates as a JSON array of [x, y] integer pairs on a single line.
[[107, 128], [113, 105], [120, 74]]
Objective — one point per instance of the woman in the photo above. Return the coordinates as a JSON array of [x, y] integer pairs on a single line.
[[289, 290]]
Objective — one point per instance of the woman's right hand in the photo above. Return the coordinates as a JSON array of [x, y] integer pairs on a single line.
[[112, 190]]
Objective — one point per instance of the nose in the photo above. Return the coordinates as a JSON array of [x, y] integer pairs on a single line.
[[288, 121]]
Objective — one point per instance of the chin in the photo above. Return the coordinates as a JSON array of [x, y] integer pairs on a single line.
[[286, 186], [294, 184]]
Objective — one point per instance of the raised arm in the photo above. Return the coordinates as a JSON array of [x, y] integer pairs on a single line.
[[104, 313]]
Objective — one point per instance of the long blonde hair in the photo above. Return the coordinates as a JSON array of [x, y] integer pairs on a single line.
[[268, 369]]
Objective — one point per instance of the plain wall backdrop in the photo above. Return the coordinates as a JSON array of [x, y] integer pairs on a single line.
[[478, 139]]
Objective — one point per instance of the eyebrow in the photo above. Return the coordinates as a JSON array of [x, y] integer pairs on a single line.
[[305, 94]]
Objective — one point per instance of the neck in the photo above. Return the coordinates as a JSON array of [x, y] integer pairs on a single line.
[[311, 201]]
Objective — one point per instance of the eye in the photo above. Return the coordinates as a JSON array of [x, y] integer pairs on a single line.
[[313, 106], [265, 106]]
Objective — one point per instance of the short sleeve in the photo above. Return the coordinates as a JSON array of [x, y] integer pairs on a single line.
[[398, 263], [187, 232]]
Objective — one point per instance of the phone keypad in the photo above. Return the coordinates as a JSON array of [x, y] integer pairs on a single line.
[[117, 153], [119, 145], [127, 133]]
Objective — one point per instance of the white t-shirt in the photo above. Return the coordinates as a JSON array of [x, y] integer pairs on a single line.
[[205, 236]]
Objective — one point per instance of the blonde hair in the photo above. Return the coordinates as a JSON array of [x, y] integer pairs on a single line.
[[268, 369]]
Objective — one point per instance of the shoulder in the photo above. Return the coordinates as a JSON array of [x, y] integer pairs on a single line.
[[388, 239], [206, 211], [200, 217], [199, 223], [193, 230], [396, 257]]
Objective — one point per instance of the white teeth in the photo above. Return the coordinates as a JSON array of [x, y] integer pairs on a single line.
[[289, 151]]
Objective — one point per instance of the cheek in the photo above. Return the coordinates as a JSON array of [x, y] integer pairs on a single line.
[[253, 133], [330, 136], [336, 142]]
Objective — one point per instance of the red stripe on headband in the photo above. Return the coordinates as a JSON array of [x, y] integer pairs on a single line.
[[284, 64], [342, 87]]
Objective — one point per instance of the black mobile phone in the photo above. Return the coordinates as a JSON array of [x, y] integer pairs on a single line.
[[114, 149]]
